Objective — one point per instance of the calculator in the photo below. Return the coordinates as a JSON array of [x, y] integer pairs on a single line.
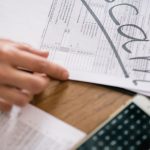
[[128, 129]]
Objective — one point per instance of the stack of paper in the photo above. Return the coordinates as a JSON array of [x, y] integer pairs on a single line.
[[33, 129], [98, 41]]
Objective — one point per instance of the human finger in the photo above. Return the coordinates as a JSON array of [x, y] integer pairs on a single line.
[[15, 96], [8, 45], [31, 62], [38, 64], [4, 105], [22, 80], [30, 49]]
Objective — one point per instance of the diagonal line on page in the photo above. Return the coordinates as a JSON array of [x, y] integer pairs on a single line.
[[107, 37]]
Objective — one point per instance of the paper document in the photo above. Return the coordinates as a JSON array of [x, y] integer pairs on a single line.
[[101, 41], [33, 129], [98, 41]]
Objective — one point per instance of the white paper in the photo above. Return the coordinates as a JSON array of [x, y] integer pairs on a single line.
[[33, 129], [86, 36], [23, 20]]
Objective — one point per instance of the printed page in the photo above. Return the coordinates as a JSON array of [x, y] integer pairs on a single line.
[[101, 41], [33, 129]]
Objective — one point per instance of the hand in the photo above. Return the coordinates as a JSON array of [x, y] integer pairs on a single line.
[[17, 86]]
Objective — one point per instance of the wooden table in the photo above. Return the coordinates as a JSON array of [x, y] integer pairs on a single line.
[[83, 105]]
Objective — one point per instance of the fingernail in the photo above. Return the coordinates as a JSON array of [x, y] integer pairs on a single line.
[[65, 75], [26, 92], [45, 51]]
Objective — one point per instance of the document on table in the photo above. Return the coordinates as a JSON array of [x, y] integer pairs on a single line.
[[33, 129], [101, 41], [98, 41]]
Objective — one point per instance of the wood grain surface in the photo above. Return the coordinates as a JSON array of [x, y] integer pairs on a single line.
[[82, 105]]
